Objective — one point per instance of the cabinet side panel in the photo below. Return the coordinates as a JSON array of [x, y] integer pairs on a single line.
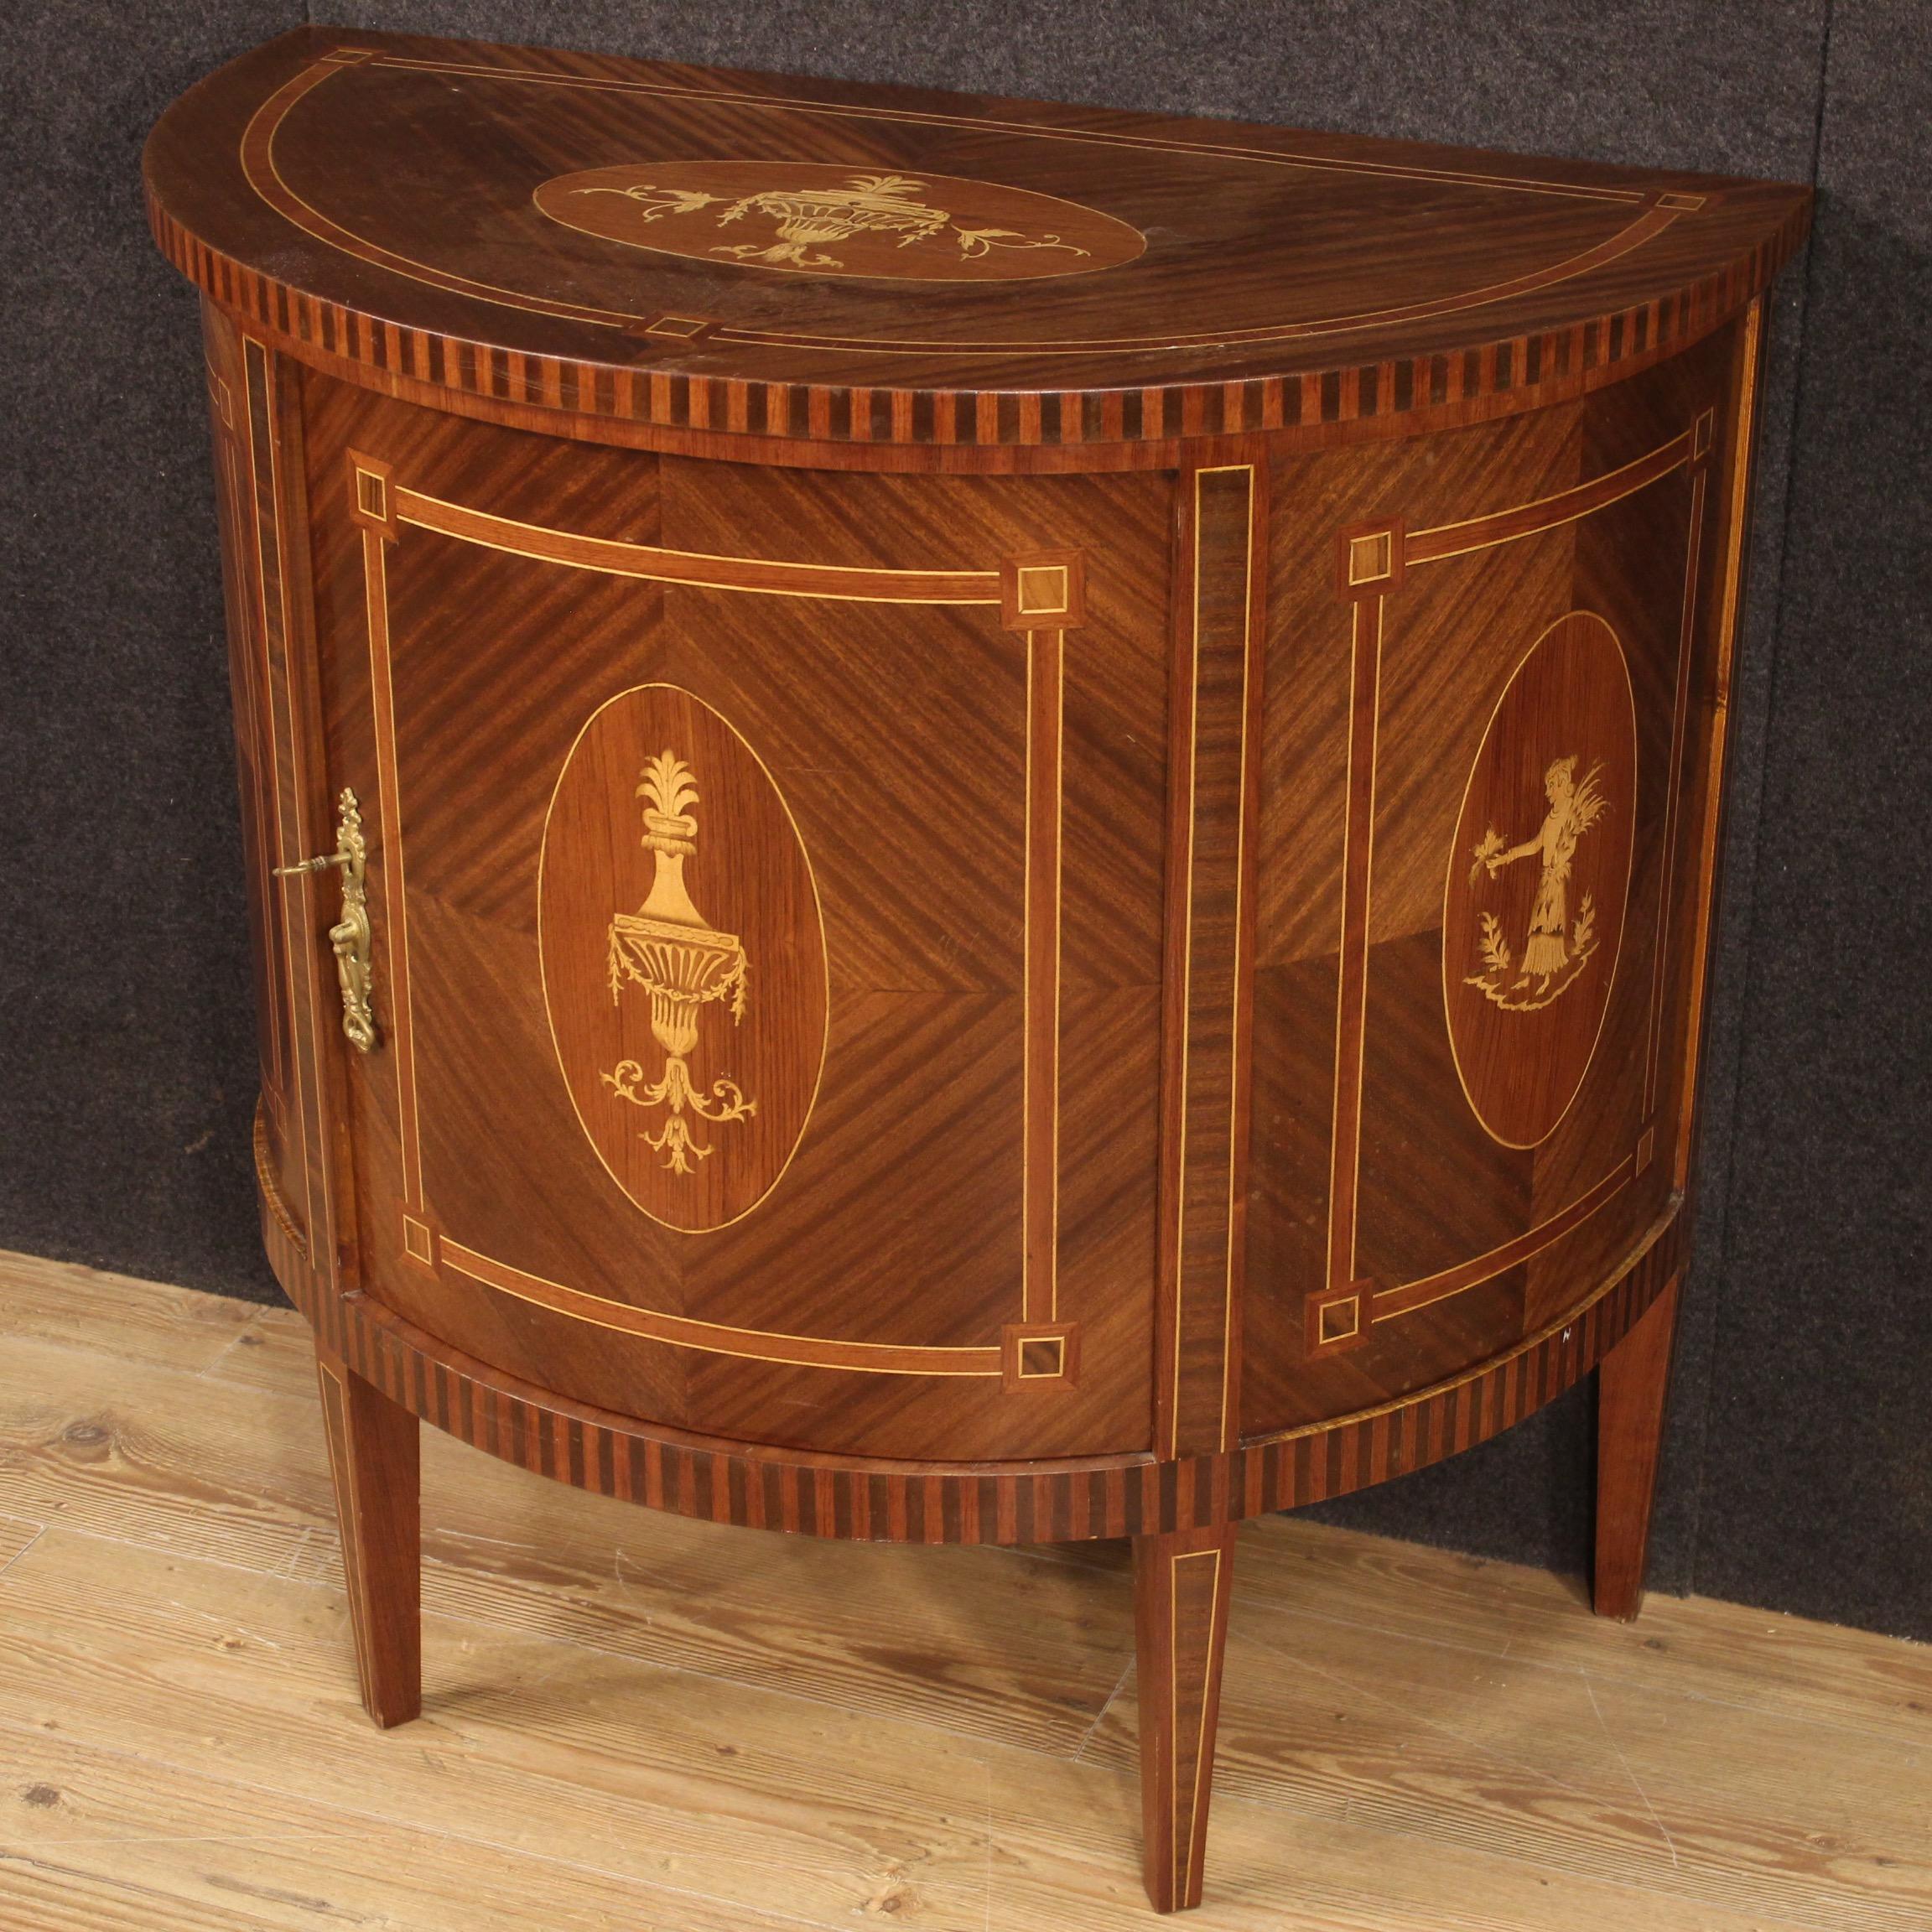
[[251, 547]]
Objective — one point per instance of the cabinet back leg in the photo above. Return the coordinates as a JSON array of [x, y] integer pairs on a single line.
[[1180, 1593], [1632, 1385], [374, 1456]]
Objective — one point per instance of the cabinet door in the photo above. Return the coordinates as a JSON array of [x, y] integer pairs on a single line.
[[765, 869], [1489, 832]]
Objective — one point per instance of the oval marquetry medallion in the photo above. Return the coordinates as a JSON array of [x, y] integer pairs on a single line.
[[814, 218], [1533, 903], [683, 952]]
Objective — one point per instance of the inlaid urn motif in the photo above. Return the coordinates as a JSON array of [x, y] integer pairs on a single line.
[[684, 958], [683, 964]]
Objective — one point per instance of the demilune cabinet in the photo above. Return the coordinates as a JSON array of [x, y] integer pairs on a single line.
[[966, 821]]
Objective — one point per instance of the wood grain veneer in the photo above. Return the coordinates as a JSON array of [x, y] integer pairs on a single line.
[[1040, 791], [373, 1453]]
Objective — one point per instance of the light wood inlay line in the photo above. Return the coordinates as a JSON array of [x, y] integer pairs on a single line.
[[258, 165], [1184, 1843], [1546, 512], [681, 1331], [1352, 987], [389, 857], [648, 561], [1032, 130], [1680, 715], [1040, 1135], [1737, 519], [285, 890], [335, 1421], [1389, 1302], [1177, 991], [1241, 1079], [1743, 427], [1651, 223], [1206, 1171], [250, 661]]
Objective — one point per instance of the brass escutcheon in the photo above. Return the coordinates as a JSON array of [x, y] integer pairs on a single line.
[[349, 937]]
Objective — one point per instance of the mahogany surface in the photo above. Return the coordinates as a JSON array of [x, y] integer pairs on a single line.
[[1631, 1386], [1183, 1581], [1040, 793], [373, 1455]]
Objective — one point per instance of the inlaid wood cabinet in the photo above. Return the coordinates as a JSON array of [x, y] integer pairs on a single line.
[[966, 821]]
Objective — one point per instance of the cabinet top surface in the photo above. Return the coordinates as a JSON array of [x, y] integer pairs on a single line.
[[835, 260]]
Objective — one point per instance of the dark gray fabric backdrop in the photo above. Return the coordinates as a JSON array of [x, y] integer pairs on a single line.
[[1796, 1472]]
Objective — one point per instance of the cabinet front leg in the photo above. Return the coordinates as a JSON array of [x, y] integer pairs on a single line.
[[1180, 1591], [1632, 1383], [374, 1457]]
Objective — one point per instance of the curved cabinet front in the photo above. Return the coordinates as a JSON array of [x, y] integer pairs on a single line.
[[775, 871], [968, 823]]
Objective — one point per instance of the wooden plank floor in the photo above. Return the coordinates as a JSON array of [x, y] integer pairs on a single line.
[[634, 1721]]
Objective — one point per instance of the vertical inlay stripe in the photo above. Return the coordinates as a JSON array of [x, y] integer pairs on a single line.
[[341, 1456], [1190, 1776], [1045, 707], [1351, 976], [1679, 715], [1737, 521], [389, 857], [1204, 1168]]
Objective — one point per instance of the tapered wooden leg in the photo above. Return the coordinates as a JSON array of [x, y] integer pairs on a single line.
[[373, 1454], [1632, 1384], [1181, 1586]]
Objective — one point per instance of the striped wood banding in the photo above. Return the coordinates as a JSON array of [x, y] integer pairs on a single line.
[[1523, 370], [886, 1501]]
